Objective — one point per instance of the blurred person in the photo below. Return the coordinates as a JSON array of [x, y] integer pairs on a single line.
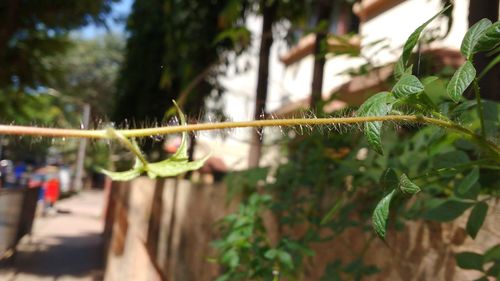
[[47, 178], [52, 190]]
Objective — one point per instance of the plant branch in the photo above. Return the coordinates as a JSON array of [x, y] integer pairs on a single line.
[[127, 133]]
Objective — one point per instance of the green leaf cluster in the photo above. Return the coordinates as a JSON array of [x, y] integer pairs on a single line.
[[245, 250], [483, 36], [399, 187], [409, 92]]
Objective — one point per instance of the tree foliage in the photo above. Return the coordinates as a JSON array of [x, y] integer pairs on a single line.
[[88, 72], [170, 45], [31, 31]]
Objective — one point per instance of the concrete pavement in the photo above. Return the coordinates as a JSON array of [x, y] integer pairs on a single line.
[[66, 245]]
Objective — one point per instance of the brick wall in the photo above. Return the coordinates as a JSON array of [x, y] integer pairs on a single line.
[[168, 238]]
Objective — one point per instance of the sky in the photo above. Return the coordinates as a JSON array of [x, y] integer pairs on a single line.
[[115, 22]]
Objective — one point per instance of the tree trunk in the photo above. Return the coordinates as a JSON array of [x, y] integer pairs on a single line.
[[323, 13], [269, 15], [489, 84]]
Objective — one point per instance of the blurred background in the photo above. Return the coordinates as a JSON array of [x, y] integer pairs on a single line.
[[93, 64]]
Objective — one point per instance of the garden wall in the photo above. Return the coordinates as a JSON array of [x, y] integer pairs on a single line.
[[162, 231]]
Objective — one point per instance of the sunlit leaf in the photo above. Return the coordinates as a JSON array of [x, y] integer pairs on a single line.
[[407, 85], [381, 214], [131, 174], [123, 176], [177, 164], [406, 186], [476, 219], [462, 78], [377, 105], [173, 167], [472, 37], [490, 38]]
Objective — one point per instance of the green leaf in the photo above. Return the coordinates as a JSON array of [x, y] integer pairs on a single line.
[[450, 159], [399, 69], [412, 41], [231, 258], [492, 254], [389, 179], [139, 165], [494, 271], [381, 214], [467, 183], [491, 117], [472, 37], [123, 176], [406, 186], [173, 167], [460, 81], [271, 254], [224, 277], [377, 105], [285, 259], [490, 38], [407, 85], [476, 219], [448, 210], [429, 80], [177, 164], [470, 260]]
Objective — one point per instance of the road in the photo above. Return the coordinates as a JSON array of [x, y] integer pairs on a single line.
[[64, 246]]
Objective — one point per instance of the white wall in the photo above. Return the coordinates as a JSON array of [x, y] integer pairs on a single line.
[[293, 83]]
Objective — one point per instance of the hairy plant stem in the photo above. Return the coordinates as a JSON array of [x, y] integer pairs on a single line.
[[477, 92], [104, 134]]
